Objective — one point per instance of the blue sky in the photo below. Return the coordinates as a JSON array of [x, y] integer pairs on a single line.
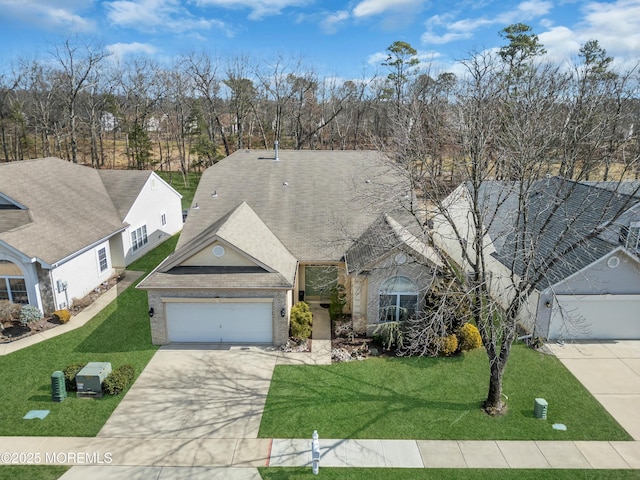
[[346, 39]]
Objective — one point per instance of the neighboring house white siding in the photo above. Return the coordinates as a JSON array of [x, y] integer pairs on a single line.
[[158, 210], [81, 274]]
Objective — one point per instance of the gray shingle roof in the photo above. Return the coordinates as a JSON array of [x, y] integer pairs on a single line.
[[243, 230], [12, 219], [383, 236], [315, 202], [68, 205], [566, 228], [123, 187]]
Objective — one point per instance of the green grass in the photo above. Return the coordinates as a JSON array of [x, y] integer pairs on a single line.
[[302, 473], [177, 181], [32, 472], [119, 334], [432, 398]]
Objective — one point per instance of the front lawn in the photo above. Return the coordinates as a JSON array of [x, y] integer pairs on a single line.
[[119, 334], [432, 398], [301, 473]]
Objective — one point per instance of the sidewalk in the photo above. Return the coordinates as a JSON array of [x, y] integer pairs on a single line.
[[76, 321], [241, 456]]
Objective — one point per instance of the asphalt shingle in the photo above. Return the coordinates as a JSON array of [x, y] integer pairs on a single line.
[[68, 205]]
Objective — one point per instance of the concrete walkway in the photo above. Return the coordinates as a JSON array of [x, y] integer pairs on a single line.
[[320, 342], [76, 321], [242, 456]]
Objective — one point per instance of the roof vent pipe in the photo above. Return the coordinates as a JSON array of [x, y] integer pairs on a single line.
[[275, 146]]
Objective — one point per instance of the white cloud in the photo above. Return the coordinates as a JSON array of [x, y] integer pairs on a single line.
[[259, 8], [49, 14], [151, 15], [427, 58], [333, 21], [616, 26], [367, 8], [465, 28], [119, 50], [376, 58]]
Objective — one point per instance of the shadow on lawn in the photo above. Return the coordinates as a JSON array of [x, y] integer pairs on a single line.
[[375, 400], [124, 326]]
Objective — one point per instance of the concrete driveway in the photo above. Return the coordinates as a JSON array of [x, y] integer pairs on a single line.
[[610, 370], [196, 392]]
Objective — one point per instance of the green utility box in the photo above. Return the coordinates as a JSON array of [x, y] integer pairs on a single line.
[[540, 408], [89, 379], [58, 389]]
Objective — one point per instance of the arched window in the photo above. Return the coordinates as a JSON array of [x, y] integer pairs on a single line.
[[398, 299], [12, 284]]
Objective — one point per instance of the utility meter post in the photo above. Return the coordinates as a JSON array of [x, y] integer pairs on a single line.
[[315, 453]]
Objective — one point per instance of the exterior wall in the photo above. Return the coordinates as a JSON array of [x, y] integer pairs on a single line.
[[155, 198], [359, 303], [45, 289], [117, 251], [344, 279], [81, 274], [420, 275], [601, 279], [281, 299], [597, 279], [529, 311], [205, 257]]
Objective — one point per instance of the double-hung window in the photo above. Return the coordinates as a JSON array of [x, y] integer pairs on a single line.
[[139, 238], [103, 262]]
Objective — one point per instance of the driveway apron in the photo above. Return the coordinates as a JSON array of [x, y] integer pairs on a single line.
[[610, 370], [196, 392]]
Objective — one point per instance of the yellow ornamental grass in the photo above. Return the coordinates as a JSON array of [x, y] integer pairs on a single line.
[[469, 337], [62, 315]]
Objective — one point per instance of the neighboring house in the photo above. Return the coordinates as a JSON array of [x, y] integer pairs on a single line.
[[591, 291], [66, 228], [265, 232]]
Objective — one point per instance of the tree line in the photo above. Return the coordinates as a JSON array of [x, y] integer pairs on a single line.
[[86, 107]]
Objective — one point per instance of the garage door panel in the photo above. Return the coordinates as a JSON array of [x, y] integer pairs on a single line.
[[589, 317], [219, 322]]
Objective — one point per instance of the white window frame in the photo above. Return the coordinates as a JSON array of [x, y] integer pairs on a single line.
[[5, 280], [139, 238], [633, 237], [396, 307], [106, 259]]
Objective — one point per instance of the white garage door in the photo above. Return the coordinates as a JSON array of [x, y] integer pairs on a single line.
[[227, 322], [595, 317]]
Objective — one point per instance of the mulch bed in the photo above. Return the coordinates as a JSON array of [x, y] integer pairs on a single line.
[[16, 330], [346, 346]]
